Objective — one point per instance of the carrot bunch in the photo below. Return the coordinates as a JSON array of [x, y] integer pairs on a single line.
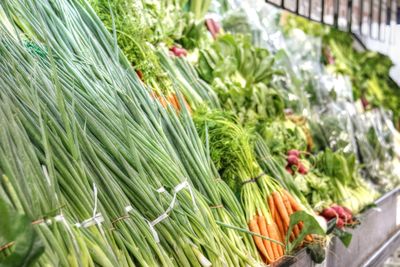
[[282, 204], [172, 99], [261, 222], [270, 251], [267, 207]]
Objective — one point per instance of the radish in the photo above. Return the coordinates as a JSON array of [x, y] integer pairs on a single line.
[[289, 170], [294, 152], [179, 52], [213, 27], [329, 213], [340, 211], [340, 223], [293, 160], [349, 214], [348, 211], [302, 169]]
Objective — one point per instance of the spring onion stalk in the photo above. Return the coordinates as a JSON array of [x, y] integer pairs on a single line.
[[196, 91]]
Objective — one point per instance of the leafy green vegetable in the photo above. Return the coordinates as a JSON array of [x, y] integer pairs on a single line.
[[343, 236], [283, 135], [241, 75], [346, 187], [369, 71], [134, 35], [16, 232], [234, 56]]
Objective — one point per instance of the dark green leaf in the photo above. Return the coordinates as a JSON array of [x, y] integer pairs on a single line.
[[331, 226], [317, 252], [344, 236], [17, 229], [310, 226]]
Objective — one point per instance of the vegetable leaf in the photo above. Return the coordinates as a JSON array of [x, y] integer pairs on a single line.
[[17, 232], [310, 226], [344, 236]]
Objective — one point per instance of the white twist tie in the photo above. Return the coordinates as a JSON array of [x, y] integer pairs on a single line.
[[128, 209], [161, 190], [165, 214], [97, 218]]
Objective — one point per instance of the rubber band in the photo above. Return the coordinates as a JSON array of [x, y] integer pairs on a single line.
[[6, 246], [217, 206], [253, 180], [59, 218], [120, 219], [39, 221]]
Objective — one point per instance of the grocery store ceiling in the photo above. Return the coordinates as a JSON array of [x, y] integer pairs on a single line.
[[376, 23], [362, 17]]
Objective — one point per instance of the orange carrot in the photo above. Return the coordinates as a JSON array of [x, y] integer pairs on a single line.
[[279, 223], [140, 75], [309, 238], [262, 224], [301, 224], [159, 98], [293, 202], [253, 226], [172, 101], [178, 105], [288, 207], [272, 234], [281, 249], [271, 206], [280, 206], [276, 217]]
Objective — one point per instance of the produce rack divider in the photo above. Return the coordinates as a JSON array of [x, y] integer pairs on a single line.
[[373, 241], [372, 18]]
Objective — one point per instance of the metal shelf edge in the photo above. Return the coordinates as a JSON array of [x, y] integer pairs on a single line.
[[388, 248]]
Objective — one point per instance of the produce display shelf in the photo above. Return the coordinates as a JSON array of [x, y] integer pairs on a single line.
[[373, 241]]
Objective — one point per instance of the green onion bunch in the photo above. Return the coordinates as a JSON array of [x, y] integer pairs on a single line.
[[96, 128]]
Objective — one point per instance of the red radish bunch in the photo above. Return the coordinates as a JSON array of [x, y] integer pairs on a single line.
[[178, 51], [293, 160], [344, 215], [213, 27]]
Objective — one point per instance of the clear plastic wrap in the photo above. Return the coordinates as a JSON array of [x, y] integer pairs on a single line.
[[325, 98], [377, 147]]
